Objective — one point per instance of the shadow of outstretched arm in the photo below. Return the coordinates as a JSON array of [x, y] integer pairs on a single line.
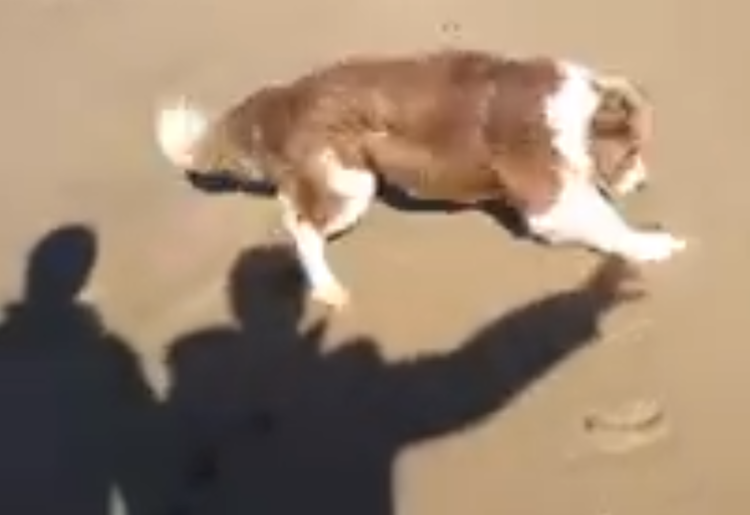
[[266, 420], [431, 396]]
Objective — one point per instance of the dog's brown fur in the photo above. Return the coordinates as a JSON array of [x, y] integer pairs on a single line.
[[461, 126], [454, 125]]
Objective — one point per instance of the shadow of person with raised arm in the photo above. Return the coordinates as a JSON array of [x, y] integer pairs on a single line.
[[75, 412], [272, 423]]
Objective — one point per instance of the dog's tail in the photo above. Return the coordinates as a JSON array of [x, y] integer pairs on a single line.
[[181, 127]]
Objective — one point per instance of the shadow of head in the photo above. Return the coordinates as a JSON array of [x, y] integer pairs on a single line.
[[75, 407], [60, 265], [266, 289], [267, 298]]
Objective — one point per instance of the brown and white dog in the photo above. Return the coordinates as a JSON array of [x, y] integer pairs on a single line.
[[543, 136]]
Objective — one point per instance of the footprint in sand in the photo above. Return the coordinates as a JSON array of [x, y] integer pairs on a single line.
[[627, 427], [450, 27]]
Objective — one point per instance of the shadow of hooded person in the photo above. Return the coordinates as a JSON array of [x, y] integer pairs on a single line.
[[273, 423], [71, 394]]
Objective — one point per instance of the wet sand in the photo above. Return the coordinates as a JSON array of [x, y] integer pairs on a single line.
[[81, 82]]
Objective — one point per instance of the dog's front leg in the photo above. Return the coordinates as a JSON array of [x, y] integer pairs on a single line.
[[580, 214]]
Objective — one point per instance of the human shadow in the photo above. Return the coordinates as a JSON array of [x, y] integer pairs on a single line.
[[270, 422], [77, 418]]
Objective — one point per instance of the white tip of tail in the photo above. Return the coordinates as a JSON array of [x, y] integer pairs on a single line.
[[180, 126]]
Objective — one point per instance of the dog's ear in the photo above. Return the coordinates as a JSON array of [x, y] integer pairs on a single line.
[[624, 109]]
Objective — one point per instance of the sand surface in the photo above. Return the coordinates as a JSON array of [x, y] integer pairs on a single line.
[[470, 377]]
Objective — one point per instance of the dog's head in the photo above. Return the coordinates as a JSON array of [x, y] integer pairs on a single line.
[[620, 132]]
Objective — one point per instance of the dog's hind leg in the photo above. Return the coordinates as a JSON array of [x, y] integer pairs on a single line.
[[352, 190], [319, 202], [307, 232]]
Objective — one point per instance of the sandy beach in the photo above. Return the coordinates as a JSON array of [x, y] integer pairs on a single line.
[[445, 390]]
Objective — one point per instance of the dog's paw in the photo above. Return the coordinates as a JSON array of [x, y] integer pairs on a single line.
[[333, 296], [654, 247]]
